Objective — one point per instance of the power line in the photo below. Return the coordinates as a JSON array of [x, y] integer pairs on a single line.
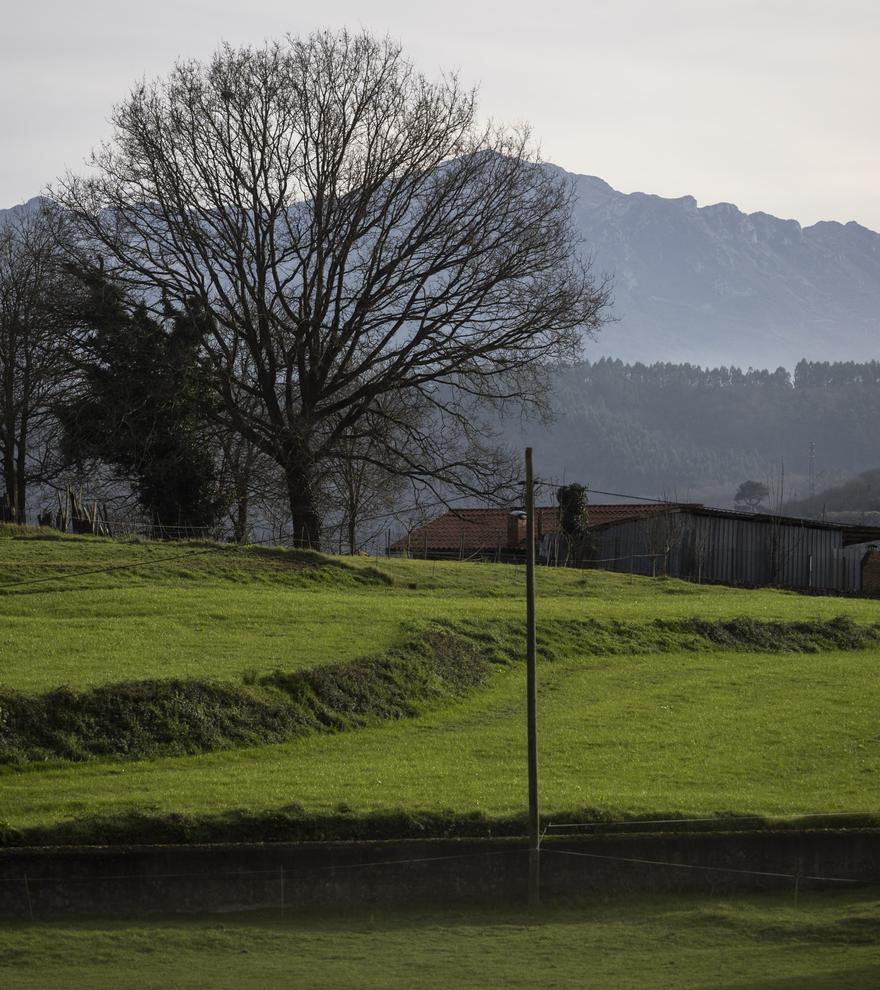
[[637, 498]]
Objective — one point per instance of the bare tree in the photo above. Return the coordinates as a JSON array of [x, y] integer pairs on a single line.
[[365, 483], [663, 532], [237, 462], [345, 230], [364, 494], [33, 356]]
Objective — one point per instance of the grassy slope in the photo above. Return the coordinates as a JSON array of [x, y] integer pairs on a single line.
[[755, 734], [829, 942], [696, 732], [184, 613], [227, 612]]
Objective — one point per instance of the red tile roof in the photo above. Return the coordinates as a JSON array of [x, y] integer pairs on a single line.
[[486, 529]]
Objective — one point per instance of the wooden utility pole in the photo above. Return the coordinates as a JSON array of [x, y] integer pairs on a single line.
[[532, 690]]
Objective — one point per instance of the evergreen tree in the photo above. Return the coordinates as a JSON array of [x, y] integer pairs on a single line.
[[574, 522], [573, 502], [141, 408], [752, 493]]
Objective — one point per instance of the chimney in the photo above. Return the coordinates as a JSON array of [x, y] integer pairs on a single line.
[[516, 529]]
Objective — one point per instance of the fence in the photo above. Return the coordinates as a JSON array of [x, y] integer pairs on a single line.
[[301, 878]]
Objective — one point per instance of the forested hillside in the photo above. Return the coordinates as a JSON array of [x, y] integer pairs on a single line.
[[696, 433], [857, 500]]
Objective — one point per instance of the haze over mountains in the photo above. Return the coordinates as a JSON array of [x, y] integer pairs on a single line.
[[714, 286]]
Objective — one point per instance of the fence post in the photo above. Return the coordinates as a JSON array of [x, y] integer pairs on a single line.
[[282, 890], [27, 893], [532, 691]]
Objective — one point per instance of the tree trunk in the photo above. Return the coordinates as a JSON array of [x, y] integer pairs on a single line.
[[241, 520], [304, 512], [10, 476], [21, 468], [10, 479]]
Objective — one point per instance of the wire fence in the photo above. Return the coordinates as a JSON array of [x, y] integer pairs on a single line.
[[854, 817], [796, 877], [187, 554], [494, 875]]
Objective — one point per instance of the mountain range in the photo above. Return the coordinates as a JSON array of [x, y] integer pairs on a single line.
[[715, 286]]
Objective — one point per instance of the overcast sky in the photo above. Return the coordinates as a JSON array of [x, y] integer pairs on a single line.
[[769, 104]]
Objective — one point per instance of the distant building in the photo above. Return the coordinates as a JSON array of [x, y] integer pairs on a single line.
[[681, 540], [500, 534]]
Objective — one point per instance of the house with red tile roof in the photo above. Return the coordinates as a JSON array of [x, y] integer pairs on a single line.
[[500, 534]]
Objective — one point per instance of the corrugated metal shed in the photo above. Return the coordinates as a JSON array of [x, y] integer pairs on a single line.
[[677, 539], [736, 548]]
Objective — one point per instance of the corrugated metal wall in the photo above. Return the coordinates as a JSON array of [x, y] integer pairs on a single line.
[[724, 549], [850, 565]]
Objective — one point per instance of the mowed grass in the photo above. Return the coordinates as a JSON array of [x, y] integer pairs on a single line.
[[181, 611], [828, 942], [689, 733], [82, 611]]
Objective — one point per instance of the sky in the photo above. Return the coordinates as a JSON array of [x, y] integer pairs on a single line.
[[768, 104]]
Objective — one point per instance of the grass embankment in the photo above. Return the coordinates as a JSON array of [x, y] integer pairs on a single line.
[[654, 736], [655, 696], [144, 719], [190, 611], [828, 942]]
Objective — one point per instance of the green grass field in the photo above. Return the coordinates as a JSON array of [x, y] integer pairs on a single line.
[[827, 942], [648, 734], [690, 730], [228, 611]]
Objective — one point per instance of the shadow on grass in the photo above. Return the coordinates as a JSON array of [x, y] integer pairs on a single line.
[[299, 560], [851, 978]]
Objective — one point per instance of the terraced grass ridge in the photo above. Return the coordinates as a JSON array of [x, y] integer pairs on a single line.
[[189, 691], [825, 942]]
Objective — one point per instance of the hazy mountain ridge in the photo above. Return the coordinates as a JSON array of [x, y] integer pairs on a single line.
[[20, 209], [712, 285]]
